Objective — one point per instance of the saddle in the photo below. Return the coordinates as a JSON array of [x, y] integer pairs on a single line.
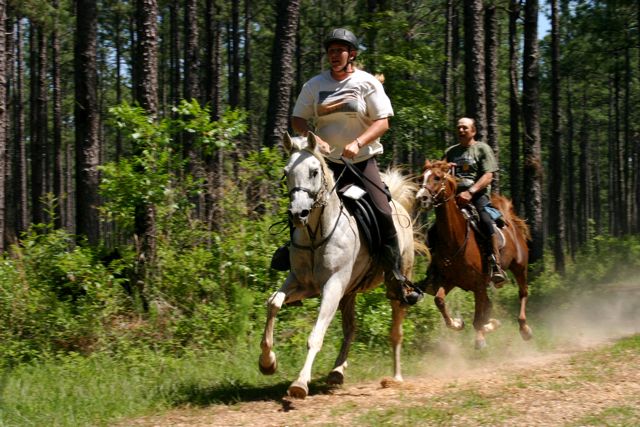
[[359, 204], [471, 214]]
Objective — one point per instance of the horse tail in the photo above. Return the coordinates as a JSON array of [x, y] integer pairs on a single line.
[[505, 206], [403, 189]]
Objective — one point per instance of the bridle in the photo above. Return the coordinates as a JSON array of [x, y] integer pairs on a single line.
[[319, 201], [436, 198]]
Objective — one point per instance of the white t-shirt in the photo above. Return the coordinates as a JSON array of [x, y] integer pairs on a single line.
[[340, 111]]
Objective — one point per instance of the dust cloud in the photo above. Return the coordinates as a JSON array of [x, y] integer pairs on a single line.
[[586, 320], [603, 314]]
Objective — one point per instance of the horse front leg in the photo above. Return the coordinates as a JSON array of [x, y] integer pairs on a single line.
[[268, 362], [347, 307], [455, 324], [331, 295]]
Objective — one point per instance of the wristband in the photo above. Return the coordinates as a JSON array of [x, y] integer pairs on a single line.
[[360, 144], [471, 191]]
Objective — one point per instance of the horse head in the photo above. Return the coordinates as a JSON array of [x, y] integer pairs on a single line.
[[306, 175], [438, 184]]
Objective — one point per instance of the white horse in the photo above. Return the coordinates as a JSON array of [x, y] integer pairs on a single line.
[[330, 259]]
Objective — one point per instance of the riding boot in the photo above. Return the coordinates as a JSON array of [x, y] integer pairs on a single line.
[[402, 288], [280, 260], [497, 275]]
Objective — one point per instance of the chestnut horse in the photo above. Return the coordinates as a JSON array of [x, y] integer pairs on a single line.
[[458, 257]]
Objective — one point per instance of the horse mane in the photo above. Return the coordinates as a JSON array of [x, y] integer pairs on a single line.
[[506, 207]]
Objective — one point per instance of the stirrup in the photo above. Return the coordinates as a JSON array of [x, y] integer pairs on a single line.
[[498, 277]]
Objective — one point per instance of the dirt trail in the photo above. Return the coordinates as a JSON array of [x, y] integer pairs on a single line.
[[580, 382]]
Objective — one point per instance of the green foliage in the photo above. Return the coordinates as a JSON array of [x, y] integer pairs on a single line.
[[54, 297]]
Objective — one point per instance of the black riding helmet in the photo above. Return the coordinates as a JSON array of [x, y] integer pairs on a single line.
[[341, 35]]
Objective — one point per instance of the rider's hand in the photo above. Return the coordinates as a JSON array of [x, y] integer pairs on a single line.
[[351, 150], [464, 198]]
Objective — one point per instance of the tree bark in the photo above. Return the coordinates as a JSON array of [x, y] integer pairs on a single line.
[[282, 73], [533, 170], [515, 179], [492, 31], [474, 60], [3, 121], [87, 121], [556, 200], [146, 65]]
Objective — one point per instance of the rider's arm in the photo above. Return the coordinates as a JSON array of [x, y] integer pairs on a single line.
[[482, 183], [373, 132]]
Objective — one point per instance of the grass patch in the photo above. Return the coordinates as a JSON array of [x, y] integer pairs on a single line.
[[618, 416]]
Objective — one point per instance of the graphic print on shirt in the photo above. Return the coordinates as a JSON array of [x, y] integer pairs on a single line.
[[339, 101], [465, 165]]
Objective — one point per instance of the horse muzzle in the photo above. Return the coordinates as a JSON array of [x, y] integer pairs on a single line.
[[299, 218], [424, 199]]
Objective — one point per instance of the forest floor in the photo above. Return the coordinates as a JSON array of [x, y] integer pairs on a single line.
[[584, 378]]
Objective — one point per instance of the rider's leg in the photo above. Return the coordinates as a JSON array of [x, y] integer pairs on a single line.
[[498, 276], [391, 258]]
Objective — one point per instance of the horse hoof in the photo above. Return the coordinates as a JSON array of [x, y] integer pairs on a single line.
[[526, 333], [335, 378], [481, 344], [270, 369], [298, 390]]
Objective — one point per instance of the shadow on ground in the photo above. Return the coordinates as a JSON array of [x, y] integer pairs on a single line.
[[198, 395]]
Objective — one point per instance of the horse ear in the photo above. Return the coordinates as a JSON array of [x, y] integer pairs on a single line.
[[287, 142], [311, 141]]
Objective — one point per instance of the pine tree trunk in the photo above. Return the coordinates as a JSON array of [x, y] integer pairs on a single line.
[[146, 65], [234, 62], [20, 161], [533, 170], [58, 165], [446, 74], [556, 199], [39, 123], [87, 121], [3, 122], [515, 179], [492, 31], [282, 73], [584, 205], [570, 186], [476, 107]]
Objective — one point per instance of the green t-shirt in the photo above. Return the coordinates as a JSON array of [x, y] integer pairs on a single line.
[[472, 162]]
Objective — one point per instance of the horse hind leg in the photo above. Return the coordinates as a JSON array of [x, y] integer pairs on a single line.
[[523, 292], [399, 312], [347, 307]]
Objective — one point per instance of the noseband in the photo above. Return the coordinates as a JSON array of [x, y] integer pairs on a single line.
[[437, 195]]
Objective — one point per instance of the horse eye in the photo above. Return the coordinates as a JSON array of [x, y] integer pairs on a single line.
[[314, 173]]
